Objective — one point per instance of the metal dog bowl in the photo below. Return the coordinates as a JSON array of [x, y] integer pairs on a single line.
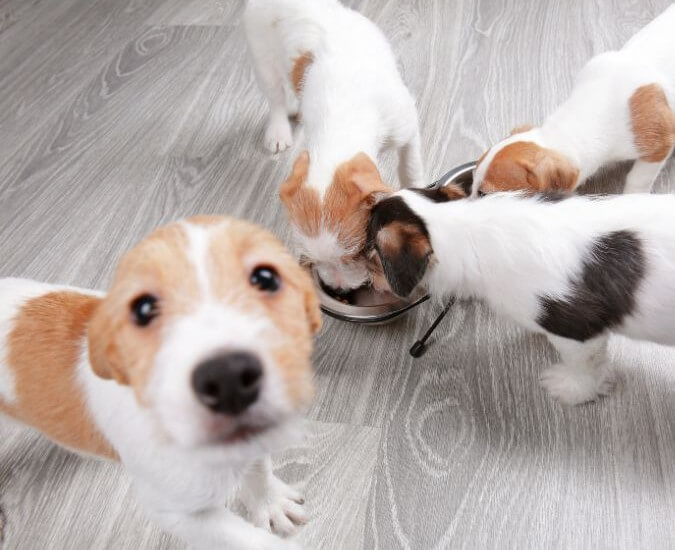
[[364, 305]]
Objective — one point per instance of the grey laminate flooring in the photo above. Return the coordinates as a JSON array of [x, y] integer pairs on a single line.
[[119, 115]]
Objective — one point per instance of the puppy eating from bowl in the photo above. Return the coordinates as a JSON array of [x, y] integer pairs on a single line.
[[621, 108], [335, 70], [575, 268], [189, 371]]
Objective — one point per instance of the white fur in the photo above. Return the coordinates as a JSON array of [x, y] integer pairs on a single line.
[[353, 98], [510, 250], [593, 126], [169, 446]]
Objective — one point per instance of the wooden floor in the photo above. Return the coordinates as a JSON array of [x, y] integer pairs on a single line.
[[117, 116]]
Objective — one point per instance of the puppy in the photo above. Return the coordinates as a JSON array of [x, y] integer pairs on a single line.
[[334, 69], [574, 269], [189, 371], [621, 108]]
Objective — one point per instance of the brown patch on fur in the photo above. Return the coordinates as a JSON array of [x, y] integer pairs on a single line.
[[349, 199], [159, 266], [45, 347], [302, 203], [299, 68], [236, 248], [392, 237], [522, 128], [453, 191], [653, 123], [517, 130], [346, 204], [526, 165]]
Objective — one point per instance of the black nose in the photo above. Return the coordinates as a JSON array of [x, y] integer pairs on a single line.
[[228, 383]]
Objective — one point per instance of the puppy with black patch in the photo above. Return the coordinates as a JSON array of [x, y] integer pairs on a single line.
[[575, 269]]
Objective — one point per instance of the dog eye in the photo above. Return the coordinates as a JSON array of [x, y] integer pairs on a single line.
[[265, 278], [144, 309], [481, 193]]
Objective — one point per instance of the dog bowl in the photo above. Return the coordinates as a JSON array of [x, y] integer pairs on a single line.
[[366, 306]]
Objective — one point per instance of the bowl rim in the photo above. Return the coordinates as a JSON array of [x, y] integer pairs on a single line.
[[383, 312]]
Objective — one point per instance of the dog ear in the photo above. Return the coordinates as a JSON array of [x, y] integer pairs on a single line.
[[297, 178], [104, 354], [302, 203], [404, 250], [357, 182], [551, 171]]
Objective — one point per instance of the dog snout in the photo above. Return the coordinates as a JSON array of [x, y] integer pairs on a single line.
[[228, 383]]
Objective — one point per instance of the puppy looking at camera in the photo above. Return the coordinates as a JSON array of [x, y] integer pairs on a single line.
[[621, 109], [574, 269], [189, 371], [335, 70]]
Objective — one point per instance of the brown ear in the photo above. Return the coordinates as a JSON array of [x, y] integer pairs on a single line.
[[297, 178], [361, 179], [104, 355], [302, 203], [551, 171], [521, 129], [404, 250]]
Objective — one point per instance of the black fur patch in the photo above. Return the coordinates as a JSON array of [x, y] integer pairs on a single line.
[[405, 268], [605, 292]]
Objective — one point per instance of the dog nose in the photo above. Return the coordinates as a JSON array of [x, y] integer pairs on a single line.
[[228, 383]]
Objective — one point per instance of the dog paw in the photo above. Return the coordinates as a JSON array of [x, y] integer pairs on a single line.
[[278, 136], [574, 386], [281, 510]]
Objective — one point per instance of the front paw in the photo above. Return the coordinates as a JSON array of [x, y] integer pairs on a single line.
[[278, 135], [280, 511], [573, 386]]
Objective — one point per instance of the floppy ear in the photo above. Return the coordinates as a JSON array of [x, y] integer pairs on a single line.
[[360, 181], [302, 202], [297, 178], [551, 171], [521, 129], [365, 177], [404, 251], [104, 355]]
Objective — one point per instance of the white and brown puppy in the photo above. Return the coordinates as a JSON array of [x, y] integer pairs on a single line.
[[189, 371], [621, 109], [574, 268], [335, 69]]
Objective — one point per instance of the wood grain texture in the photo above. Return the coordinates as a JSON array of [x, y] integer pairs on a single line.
[[118, 116]]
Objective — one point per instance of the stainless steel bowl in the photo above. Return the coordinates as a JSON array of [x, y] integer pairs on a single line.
[[367, 309]]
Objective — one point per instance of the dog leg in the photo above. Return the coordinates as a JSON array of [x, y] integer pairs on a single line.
[[583, 373], [410, 165], [274, 84], [218, 529], [271, 503], [208, 527], [641, 177]]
